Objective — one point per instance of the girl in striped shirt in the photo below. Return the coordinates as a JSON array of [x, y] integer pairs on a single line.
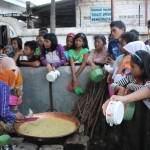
[[138, 80], [140, 74]]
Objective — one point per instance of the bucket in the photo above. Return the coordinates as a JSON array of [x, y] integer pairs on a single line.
[[14, 100], [114, 113], [79, 91], [5, 140], [129, 111], [96, 75], [108, 68]]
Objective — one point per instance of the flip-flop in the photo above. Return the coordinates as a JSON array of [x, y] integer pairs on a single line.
[[70, 87]]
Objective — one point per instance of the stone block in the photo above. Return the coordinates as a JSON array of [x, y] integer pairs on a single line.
[[26, 146], [52, 147]]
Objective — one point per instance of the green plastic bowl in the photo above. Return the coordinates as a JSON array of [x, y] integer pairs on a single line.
[[96, 75], [79, 91], [5, 140], [129, 111]]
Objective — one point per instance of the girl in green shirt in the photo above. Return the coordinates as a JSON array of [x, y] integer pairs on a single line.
[[78, 55]]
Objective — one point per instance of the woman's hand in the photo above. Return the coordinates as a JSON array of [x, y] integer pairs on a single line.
[[104, 106], [19, 53], [109, 60], [49, 68], [36, 63], [19, 116], [119, 98], [121, 90], [75, 82], [109, 78]]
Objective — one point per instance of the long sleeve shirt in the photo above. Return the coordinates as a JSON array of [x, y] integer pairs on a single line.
[[130, 83], [114, 49], [55, 58], [5, 114], [127, 82]]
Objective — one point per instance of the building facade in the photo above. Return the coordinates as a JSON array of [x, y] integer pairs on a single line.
[[9, 10], [90, 13]]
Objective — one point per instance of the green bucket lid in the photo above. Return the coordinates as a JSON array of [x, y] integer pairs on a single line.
[[5, 140], [129, 111], [79, 91], [96, 75]]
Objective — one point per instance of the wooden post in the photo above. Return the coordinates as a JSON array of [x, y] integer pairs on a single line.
[[112, 10], [53, 16], [146, 11], [139, 14], [28, 11]]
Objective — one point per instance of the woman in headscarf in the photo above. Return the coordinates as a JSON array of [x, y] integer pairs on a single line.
[[8, 76]]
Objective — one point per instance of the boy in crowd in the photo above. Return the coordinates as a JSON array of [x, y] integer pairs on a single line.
[[117, 28]]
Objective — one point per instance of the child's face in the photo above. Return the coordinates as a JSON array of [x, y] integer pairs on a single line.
[[99, 44], [1, 50], [79, 42], [47, 43], [135, 69], [122, 43], [15, 44], [40, 40], [69, 42], [28, 51], [116, 32]]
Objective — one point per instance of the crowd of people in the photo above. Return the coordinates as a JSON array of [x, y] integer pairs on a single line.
[[129, 79]]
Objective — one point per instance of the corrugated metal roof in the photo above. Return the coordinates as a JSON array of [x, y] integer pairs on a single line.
[[65, 13], [21, 3]]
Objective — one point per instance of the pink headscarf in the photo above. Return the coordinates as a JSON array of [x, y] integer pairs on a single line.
[[71, 35]]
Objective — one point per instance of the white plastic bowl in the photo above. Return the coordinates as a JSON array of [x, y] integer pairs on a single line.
[[114, 113], [108, 68], [23, 58], [52, 76], [57, 72]]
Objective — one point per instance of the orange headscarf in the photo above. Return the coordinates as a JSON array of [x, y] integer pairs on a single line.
[[10, 73], [124, 64]]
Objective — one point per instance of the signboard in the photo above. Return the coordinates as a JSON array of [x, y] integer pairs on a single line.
[[11, 15], [100, 14]]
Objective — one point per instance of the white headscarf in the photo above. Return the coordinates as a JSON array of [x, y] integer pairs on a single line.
[[135, 46]]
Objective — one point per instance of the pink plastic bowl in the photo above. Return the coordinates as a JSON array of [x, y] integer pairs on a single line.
[[14, 100]]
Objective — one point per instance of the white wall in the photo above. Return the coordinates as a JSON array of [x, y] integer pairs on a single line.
[[19, 29]]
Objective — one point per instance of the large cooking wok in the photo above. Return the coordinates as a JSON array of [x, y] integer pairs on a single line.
[[48, 115]]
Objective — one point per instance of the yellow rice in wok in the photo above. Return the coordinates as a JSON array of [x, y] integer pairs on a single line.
[[48, 127]]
